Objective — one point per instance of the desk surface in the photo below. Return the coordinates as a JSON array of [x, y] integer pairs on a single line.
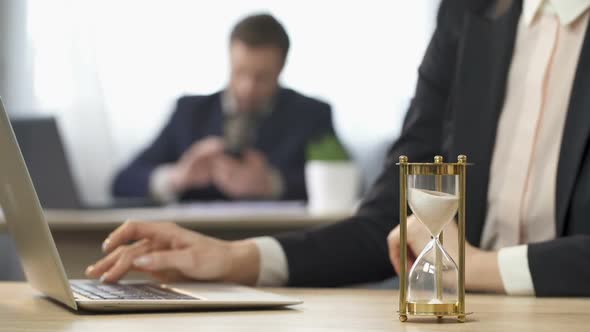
[[21, 309], [216, 216]]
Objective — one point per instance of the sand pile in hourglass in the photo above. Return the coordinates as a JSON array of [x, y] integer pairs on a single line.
[[433, 208]]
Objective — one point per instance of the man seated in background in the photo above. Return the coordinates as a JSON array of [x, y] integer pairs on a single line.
[[245, 142]]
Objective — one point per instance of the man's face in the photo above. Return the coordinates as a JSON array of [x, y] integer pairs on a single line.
[[254, 74]]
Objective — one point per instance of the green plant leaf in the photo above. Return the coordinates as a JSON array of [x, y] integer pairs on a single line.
[[328, 148]]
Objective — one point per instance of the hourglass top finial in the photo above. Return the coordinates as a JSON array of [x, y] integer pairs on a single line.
[[403, 159], [438, 159], [462, 159]]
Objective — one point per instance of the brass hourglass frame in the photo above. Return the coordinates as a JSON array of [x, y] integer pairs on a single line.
[[438, 169]]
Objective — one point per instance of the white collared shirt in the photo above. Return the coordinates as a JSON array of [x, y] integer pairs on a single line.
[[522, 188], [566, 10]]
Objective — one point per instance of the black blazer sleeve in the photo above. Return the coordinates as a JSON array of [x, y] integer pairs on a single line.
[[355, 250], [560, 267], [134, 179]]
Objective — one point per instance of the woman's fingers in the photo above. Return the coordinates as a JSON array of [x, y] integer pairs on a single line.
[[115, 265], [162, 260], [137, 230], [394, 244], [394, 248]]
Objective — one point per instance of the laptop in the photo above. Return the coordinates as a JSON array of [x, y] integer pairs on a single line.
[[44, 153], [45, 272]]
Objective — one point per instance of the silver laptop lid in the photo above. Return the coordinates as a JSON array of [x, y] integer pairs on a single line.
[[26, 223]]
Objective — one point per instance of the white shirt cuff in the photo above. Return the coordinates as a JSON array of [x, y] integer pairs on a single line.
[[514, 270], [160, 184], [274, 270]]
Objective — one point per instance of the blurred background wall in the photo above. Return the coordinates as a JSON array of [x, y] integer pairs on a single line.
[[110, 71]]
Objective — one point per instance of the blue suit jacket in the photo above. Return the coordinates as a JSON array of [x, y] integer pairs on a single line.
[[282, 137]]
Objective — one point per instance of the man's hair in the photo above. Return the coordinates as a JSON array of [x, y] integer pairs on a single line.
[[261, 30]]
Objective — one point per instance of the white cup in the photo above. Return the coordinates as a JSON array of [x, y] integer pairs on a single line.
[[332, 186]]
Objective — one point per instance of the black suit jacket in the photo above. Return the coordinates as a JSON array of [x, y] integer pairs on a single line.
[[282, 137], [458, 99]]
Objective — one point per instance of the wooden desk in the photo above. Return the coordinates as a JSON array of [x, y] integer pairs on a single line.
[[21, 309], [78, 234]]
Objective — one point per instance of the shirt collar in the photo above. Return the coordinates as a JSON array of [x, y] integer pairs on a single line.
[[567, 10], [229, 105]]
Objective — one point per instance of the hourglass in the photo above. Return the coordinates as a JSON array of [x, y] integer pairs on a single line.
[[435, 284]]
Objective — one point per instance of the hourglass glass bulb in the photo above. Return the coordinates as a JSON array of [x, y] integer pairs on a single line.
[[433, 208]]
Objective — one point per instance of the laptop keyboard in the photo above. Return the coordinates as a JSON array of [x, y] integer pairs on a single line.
[[127, 292]]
